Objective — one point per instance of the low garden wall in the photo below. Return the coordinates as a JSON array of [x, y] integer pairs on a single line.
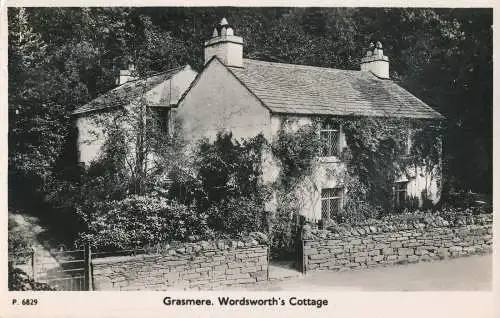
[[202, 265], [391, 242]]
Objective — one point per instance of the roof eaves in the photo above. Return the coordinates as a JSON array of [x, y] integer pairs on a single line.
[[91, 110], [173, 71], [435, 113]]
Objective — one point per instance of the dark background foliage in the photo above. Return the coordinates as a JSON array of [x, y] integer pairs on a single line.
[[60, 58]]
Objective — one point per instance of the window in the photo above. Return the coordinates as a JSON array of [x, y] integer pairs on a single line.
[[400, 194], [407, 143], [162, 119], [331, 203], [330, 139]]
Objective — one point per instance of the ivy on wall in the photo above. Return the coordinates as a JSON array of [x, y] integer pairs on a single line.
[[377, 153]]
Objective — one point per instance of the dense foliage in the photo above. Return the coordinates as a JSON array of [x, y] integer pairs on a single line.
[[226, 182], [218, 193], [296, 152], [378, 154], [19, 280], [137, 221], [61, 58]]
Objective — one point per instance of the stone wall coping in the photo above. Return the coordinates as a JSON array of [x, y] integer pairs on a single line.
[[384, 226], [183, 250]]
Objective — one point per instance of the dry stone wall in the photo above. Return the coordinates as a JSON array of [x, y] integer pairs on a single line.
[[203, 265], [389, 243]]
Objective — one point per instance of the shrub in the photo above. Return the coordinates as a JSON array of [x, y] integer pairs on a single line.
[[225, 183], [357, 207], [18, 246], [137, 221], [236, 216], [19, 280], [283, 228]]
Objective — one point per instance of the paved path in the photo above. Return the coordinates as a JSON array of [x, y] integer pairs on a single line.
[[471, 273], [30, 228]]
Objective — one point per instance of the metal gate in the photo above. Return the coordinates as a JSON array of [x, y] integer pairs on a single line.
[[61, 270]]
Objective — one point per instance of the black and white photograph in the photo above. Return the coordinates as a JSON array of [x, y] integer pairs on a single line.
[[261, 149]]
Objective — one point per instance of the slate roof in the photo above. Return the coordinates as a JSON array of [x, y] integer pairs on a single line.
[[125, 93], [308, 90]]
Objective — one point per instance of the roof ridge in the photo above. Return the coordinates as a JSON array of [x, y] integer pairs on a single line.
[[309, 90], [154, 75], [132, 83], [280, 64]]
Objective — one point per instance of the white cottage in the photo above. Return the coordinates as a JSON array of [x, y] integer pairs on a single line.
[[248, 97]]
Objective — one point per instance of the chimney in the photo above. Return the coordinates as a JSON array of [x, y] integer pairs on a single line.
[[126, 75], [225, 45], [375, 61]]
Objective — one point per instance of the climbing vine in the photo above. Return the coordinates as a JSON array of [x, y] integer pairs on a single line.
[[296, 151], [379, 151]]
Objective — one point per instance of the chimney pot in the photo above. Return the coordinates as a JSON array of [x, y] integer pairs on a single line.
[[375, 61], [127, 75], [225, 45]]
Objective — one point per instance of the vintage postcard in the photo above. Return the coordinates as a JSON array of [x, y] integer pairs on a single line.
[[274, 159]]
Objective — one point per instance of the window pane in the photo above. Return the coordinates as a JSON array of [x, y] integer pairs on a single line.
[[335, 142], [324, 143], [334, 207], [327, 192], [324, 209], [330, 143]]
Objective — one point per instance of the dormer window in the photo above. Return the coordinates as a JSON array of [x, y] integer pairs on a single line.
[[330, 139]]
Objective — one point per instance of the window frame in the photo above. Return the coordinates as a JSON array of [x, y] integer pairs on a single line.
[[339, 191], [162, 119], [336, 149], [400, 187]]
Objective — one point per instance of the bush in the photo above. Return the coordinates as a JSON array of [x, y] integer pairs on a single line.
[[19, 280], [237, 216], [137, 221], [226, 183], [19, 247], [460, 199], [357, 207], [283, 228]]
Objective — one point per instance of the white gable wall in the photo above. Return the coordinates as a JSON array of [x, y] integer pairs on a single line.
[[91, 135], [217, 102], [169, 92]]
